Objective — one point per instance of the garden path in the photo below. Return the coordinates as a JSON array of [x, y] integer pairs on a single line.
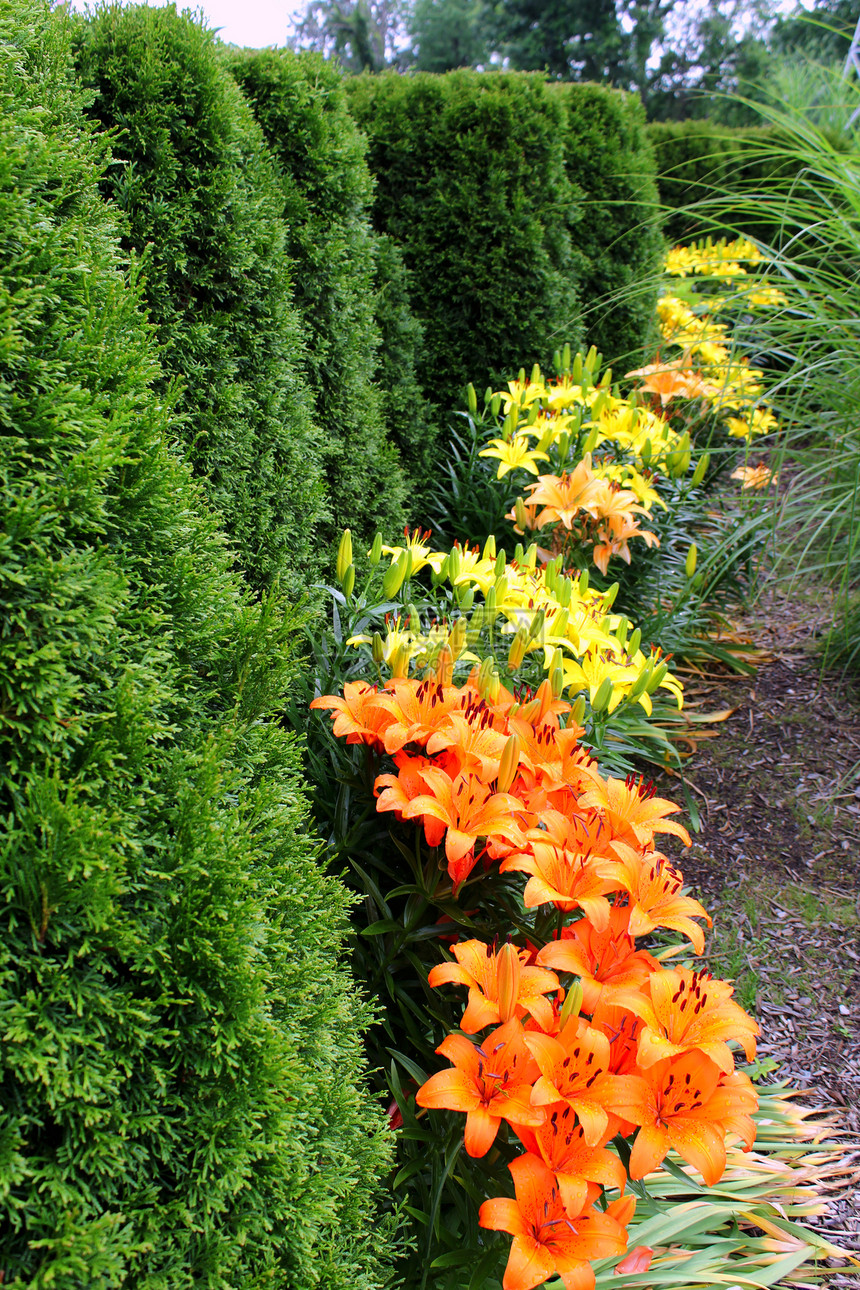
[[777, 863]]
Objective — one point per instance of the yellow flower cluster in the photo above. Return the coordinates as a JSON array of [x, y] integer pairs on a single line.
[[535, 609]]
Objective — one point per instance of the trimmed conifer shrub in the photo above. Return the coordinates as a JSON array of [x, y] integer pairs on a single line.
[[299, 101], [196, 185], [182, 1066], [617, 240], [471, 184]]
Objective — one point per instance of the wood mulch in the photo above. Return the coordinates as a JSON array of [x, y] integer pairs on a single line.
[[777, 863]]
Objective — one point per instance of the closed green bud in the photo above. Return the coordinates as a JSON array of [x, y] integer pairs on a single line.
[[374, 555], [621, 631], [490, 605], [455, 565], [609, 596], [577, 712], [344, 555], [572, 1006], [603, 696], [395, 576], [377, 648], [466, 598], [583, 582], [490, 548], [556, 680], [413, 617], [591, 439], [701, 469], [646, 453], [349, 581], [536, 626], [565, 358], [634, 642], [518, 553], [521, 376], [520, 514], [564, 591], [501, 564], [640, 683], [576, 370], [471, 399], [530, 558], [556, 362], [532, 417], [656, 677], [488, 396], [501, 589], [692, 557], [495, 404], [536, 374]]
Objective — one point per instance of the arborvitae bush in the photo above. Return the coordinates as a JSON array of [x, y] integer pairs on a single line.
[[194, 180], [617, 239], [470, 182], [181, 1066], [299, 101]]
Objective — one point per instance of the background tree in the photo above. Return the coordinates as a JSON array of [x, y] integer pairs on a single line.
[[447, 34], [360, 33]]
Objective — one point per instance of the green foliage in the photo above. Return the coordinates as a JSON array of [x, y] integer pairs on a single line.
[[300, 105], [182, 1064], [618, 246], [197, 189], [470, 179], [447, 34], [699, 162]]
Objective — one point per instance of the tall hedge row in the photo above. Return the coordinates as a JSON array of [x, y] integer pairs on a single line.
[[617, 239], [471, 184], [201, 200], [180, 1074], [300, 103]]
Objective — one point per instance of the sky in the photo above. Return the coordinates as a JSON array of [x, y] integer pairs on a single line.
[[253, 24]]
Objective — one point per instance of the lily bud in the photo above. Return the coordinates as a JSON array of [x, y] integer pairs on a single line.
[[489, 552], [488, 396], [520, 513], [556, 680], [591, 439], [583, 582], [556, 362], [536, 627], [572, 1005], [647, 452], [455, 565], [457, 637], [517, 652], [445, 666], [349, 581], [577, 712], [692, 556], [544, 695], [560, 623], [377, 648], [494, 685], [634, 642], [563, 592], [344, 555], [701, 469], [640, 684], [374, 555], [501, 564], [603, 697], [621, 631], [521, 376], [495, 404], [394, 576], [471, 399], [490, 605], [609, 597], [576, 370], [465, 598], [656, 677], [413, 617], [509, 763], [530, 558], [509, 970], [501, 588]]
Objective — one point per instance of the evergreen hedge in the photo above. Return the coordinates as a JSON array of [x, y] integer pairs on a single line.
[[617, 239], [200, 197], [300, 103], [471, 184], [181, 1057]]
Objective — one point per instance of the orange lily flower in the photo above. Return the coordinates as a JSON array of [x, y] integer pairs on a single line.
[[613, 535], [395, 792], [547, 1239], [469, 810], [632, 812], [416, 709], [359, 717], [581, 1171], [566, 879], [574, 1068], [599, 958], [473, 748], [491, 1082], [480, 969], [687, 1103], [654, 885], [563, 497], [684, 1010]]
